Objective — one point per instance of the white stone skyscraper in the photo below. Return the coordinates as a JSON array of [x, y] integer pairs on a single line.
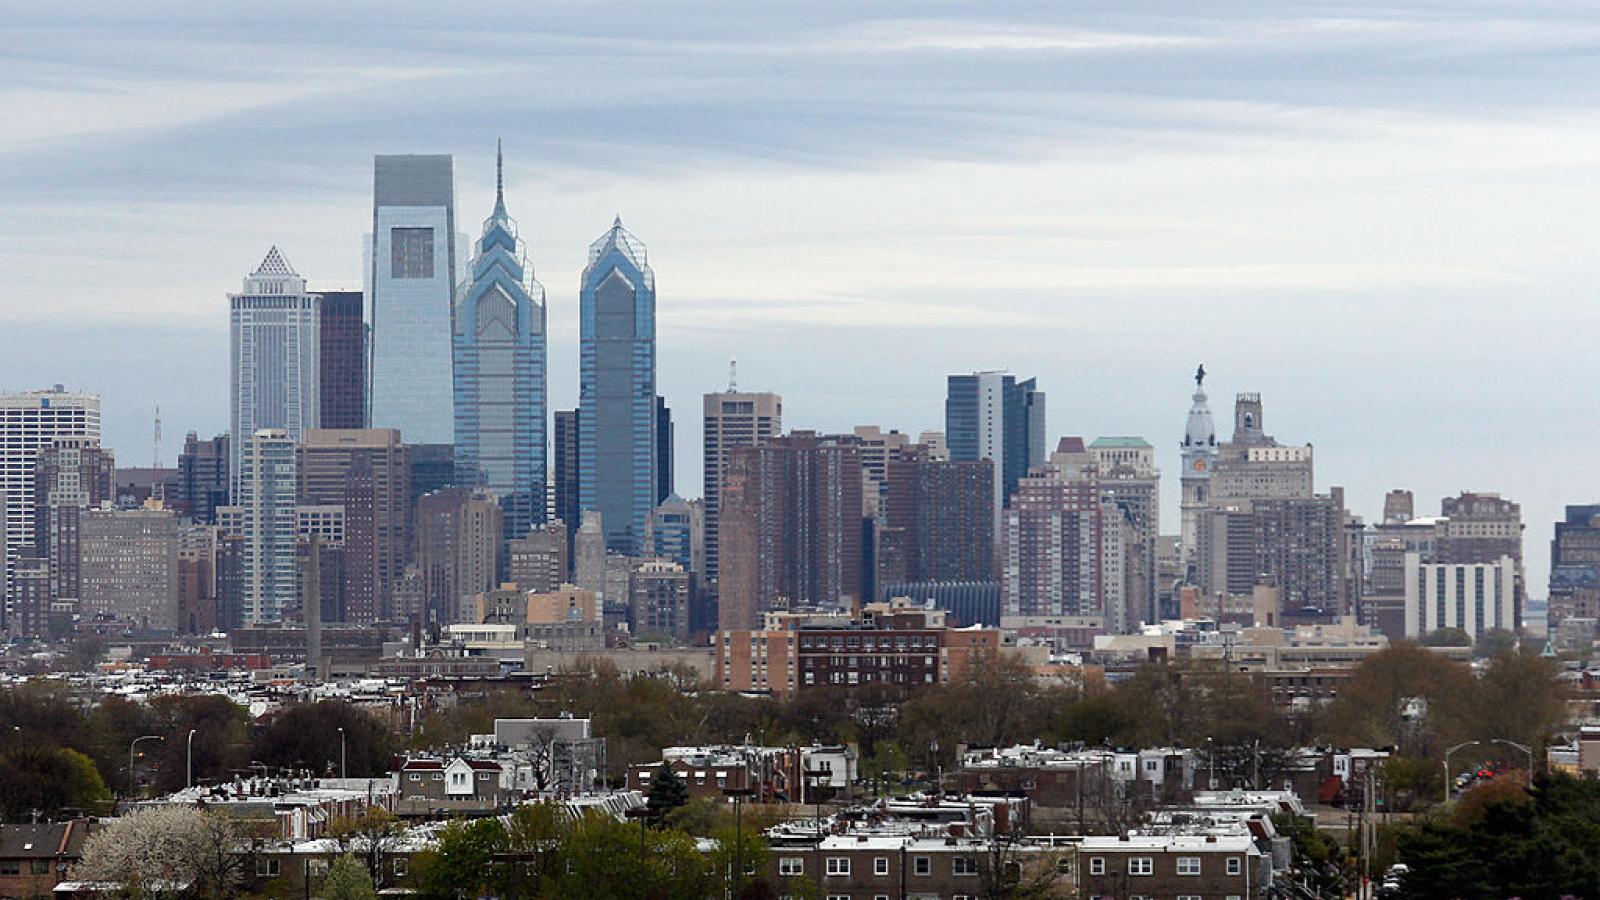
[[275, 356], [411, 291]]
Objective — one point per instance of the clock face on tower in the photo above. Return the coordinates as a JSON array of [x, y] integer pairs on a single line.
[[1199, 465]]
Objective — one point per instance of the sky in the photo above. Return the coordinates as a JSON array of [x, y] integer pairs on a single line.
[[1379, 215]]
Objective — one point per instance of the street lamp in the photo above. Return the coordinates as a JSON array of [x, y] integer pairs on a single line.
[[738, 795], [815, 780], [190, 767], [643, 814], [132, 781], [343, 772]]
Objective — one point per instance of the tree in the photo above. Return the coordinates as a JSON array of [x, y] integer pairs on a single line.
[[165, 844], [1404, 695], [1447, 637], [667, 790], [221, 742], [462, 863], [348, 879], [370, 837], [49, 782], [1494, 642], [308, 735]]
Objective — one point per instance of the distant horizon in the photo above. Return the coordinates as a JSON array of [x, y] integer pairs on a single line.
[[1379, 216]]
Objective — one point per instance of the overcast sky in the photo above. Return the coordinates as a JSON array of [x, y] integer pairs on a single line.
[[1380, 215]]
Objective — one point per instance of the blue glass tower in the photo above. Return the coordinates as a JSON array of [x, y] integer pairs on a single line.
[[498, 352], [617, 447]]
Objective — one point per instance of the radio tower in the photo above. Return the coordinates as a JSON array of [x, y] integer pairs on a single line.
[[157, 489]]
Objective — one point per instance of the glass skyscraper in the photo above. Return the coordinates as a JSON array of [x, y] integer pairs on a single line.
[[500, 393], [276, 347], [617, 447], [412, 277], [993, 416]]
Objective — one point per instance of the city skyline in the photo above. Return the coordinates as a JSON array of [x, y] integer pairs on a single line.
[[1147, 225]]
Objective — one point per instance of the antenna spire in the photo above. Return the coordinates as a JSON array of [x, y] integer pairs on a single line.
[[157, 489], [733, 375], [499, 178]]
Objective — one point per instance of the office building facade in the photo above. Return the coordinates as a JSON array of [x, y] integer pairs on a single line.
[[731, 420], [343, 355], [499, 358], [275, 355], [266, 522], [617, 442], [129, 567], [365, 474], [73, 474], [1473, 597], [202, 483], [991, 415], [411, 283], [30, 422]]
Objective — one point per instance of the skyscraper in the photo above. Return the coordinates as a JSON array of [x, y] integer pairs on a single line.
[[663, 450], [202, 478], [343, 402], [365, 472], [265, 511], [130, 566], [1054, 537], [499, 357], [29, 423], [566, 469], [275, 355], [1130, 480], [617, 449], [732, 420], [937, 514], [991, 415], [458, 544], [73, 474], [412, 280]]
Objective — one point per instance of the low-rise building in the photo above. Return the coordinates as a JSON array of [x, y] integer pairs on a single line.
[[431, 786]]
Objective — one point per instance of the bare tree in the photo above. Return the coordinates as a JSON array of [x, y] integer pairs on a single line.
[[369, 837], [1013, 868]]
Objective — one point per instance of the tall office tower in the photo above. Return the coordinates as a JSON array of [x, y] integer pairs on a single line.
[[276, 343], [130, 567], [1298, 542], [617, 450], [459, 534], [202, 478], [658, 600], [663, 450], [411, 286], [500, 394], [232, 585], [565, 460], [1254, 465], [938, 512], [1575, 567], [264, 510], [31, 603], [1399, 507], [791, 528], [433, 468], [73, 474], [1199, 454], [676, 531], [343, 356], [1052, 539], [991, 415], [30, 422], [732, 420], [198, 548], [1130, 480], [1481, 528], [538, 563], [366, 474]]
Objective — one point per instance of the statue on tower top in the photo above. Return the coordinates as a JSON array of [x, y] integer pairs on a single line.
[[1200, 375]]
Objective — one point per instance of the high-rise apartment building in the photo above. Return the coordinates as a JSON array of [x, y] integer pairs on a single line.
[[1254, 465], [878, 448], [364, 473], [991, 415], [343, 355], [30, 422], [791, 528], [1575, 566], [198, 578], [1299, 542], [275, 356], [935, 523], [499, 357], [1053, 539], [658, 599], [1479, 527], [74, 474], [1130, 481], [129, 567], [618, 464], [538, 562], [675, 531], [1473, 597], [411, 283], [265, 513], [731, 420], [202, 484]]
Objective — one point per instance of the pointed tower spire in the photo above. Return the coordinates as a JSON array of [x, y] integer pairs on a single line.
[[617, 222], [499, 179]]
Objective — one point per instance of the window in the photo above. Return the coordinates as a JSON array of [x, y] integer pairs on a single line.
[[880, 865], [1235, 865], [791, 865], [1141, 865], [10, 867], [416, 776], [1188, 865], [317, 867], [1064, 865], [963, 865], [267, 867], [401, 866], [1189, 897], [411, 253], [921, 865], [838, 897], [40, 867], [1097, 865], [838, 865]]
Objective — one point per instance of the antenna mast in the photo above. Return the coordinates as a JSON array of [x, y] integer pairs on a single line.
[[733, 375], [157, 491]]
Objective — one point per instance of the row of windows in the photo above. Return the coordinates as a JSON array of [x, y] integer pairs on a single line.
[[840, 865], [1145, 865]]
